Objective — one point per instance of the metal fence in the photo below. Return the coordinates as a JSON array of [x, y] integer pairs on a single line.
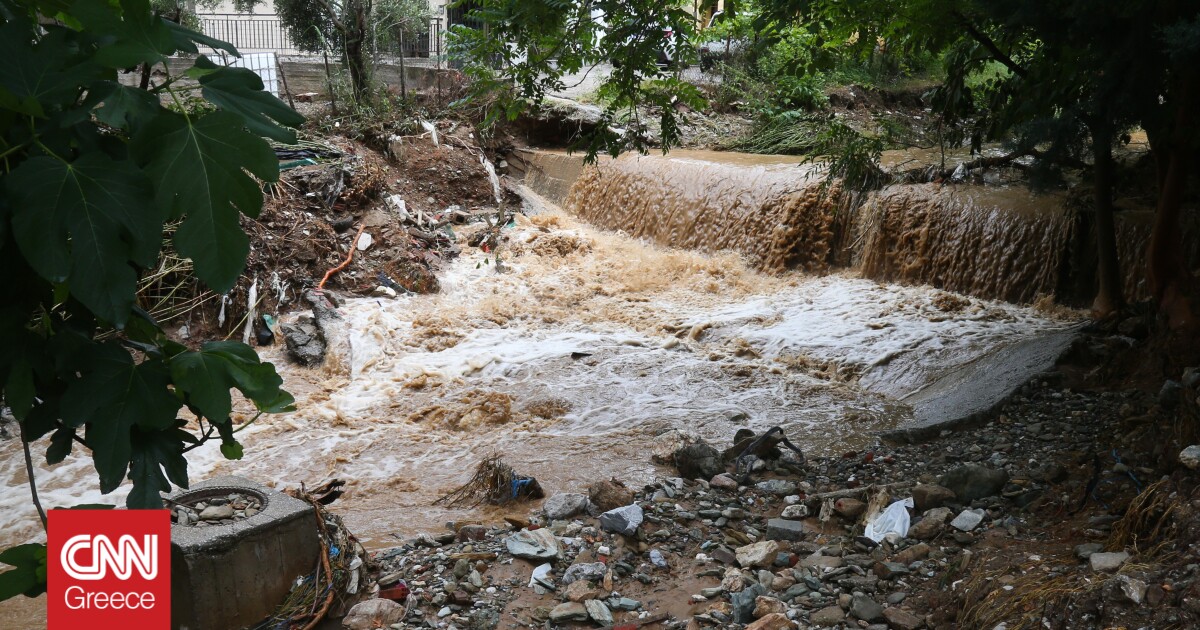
[[265, 33], [248, 33]]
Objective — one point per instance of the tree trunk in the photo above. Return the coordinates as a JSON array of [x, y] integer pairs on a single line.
[[1169, 278], [356, 50], [1109, 298]]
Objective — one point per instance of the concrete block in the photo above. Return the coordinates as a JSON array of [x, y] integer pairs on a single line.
[[233, 576]]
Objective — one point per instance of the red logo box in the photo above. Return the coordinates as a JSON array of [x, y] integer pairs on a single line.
[[109, 570]]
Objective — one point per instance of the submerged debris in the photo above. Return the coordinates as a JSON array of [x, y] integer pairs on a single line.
[[494, 482]]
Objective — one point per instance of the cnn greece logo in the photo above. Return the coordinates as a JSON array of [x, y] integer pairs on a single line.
[[110, 569], [122, 557]]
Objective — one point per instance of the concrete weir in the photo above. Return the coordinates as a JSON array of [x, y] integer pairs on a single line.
[[990, 242], [971, 393], [234, 576]]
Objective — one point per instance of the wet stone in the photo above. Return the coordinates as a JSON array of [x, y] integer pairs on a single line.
[[564, 505], [569, 611], [828, 616], [865, 608], [929, 496], [782, 529], [598, 612], [901, 619], [1102, 562], [761, 554], [698, 461], [591, 571], [967, 520], [972, 482], [623, 520]]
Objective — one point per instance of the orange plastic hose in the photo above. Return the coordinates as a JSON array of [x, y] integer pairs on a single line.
[[345, 263]]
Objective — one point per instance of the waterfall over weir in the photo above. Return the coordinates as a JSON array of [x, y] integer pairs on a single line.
[[999, 242]]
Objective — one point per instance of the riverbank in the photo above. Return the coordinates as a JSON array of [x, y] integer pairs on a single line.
[[1069, 510]]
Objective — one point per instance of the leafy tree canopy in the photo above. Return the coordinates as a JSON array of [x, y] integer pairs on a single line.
[[525, 49]]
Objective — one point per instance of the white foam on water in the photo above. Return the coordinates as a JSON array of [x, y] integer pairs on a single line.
[[570, 363]]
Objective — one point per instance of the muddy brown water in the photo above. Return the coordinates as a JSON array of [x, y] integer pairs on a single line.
[[996, 241], [591, 345]]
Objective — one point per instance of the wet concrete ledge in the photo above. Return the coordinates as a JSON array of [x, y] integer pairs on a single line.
[[973, 393]]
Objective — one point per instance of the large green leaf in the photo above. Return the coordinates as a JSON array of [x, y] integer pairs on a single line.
[[207, 375], [114, 395], [153, 453], [28, 575], [83, 223], [122, 106], [35, 78], [240, 91], [130, 34], [199, 166]]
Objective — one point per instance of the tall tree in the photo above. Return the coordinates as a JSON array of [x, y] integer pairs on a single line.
[[1075, 75], [526, 49]]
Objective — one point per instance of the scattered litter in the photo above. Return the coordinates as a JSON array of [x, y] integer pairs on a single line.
[[539, 576], [893, 520], [365, 241], [431, 130]]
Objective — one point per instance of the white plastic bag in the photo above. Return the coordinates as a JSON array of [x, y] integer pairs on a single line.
[[894, 519]]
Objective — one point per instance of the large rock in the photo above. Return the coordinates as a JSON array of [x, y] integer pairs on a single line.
[[1190, 457], [662, 450], [584, 571], [598, 612], [623, 520], [783, 529], [1170, 395], [539, 544], [373, 613], [760, 554], [764, 606], [967, 520], [902, 619], [931, 524], [773, 621], [569, 611], [865, 608], [972, 482], [581, 591], [414, 276], [564, 505], [828, 616], [609, 495], [304, 341], [744, 602], [929, 496], [1102, 562], [1125, 589], [699, 461]]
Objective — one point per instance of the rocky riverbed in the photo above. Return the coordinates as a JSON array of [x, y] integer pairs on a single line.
[[1070, 509]]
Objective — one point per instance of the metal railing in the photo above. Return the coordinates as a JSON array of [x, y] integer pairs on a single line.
[[265, 33], [248, 32]]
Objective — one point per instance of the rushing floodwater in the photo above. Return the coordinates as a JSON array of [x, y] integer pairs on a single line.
[[569, 365]]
